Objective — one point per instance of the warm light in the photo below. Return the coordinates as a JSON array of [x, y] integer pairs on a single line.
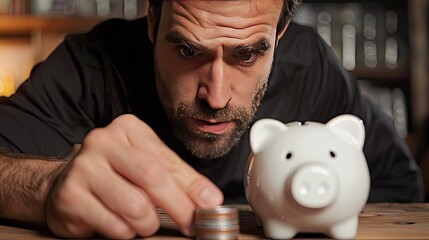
[[7, 84]]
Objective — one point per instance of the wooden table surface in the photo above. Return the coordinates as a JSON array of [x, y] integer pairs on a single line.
[[377, 221]]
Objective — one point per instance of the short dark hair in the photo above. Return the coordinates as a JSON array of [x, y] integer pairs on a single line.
[[288, 9]]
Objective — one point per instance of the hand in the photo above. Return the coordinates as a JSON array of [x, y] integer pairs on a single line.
[[116, 180]]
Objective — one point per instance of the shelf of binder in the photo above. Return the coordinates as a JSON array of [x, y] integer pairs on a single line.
[[128, 9], [22, 16], [369, 38]]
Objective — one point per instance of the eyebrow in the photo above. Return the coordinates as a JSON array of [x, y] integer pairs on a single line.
[[261, 45], [177, 38]]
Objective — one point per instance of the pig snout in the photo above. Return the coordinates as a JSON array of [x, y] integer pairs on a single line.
[[314, 186]]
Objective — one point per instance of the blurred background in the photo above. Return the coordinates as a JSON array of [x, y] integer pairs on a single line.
[[384, 43]]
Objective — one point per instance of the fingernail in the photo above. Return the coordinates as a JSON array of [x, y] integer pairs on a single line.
[[209, 197]]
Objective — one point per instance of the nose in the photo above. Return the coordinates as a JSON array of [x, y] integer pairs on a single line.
[[314, 186], [215, 87]]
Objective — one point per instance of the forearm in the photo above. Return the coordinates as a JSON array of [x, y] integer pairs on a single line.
[[25, 182]]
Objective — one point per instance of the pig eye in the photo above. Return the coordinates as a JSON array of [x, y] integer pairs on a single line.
[[288, 156], [332, 153]]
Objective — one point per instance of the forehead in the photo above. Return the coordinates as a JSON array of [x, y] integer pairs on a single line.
[[210, 20], [249, 7]]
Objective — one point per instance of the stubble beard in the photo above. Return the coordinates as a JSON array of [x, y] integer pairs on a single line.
[[205, 145]]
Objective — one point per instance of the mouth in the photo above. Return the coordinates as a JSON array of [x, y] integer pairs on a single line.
[[212, 126]]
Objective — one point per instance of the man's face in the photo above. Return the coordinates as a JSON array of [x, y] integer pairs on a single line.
[[212, 62]]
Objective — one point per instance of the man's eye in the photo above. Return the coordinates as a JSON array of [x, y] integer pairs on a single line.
[[187, 52], [247, 57]]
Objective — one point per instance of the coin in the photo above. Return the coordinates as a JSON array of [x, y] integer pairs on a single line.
[[220, 223]]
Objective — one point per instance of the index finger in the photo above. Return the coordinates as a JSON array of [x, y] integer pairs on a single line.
[[148, 173], [200, 189]]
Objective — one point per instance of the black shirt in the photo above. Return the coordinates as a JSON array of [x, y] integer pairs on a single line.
[[92, 78]]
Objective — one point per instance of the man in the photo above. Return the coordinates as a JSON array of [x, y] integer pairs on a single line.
[[172, 132]]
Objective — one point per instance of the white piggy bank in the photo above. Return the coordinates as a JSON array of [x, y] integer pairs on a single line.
[[308, 178]]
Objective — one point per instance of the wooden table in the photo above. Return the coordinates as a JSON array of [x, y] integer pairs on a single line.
[[377, 221]]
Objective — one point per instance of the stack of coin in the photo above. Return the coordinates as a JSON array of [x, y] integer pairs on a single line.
[[166, 221], [220, 223]]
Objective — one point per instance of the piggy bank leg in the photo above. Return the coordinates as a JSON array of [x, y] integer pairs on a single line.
[[275, 229], [345, 230]]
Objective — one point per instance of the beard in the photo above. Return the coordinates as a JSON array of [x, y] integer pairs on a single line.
[[205, 145]]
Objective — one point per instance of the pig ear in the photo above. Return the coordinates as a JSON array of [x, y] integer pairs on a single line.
[[350, 129], [263, 132]]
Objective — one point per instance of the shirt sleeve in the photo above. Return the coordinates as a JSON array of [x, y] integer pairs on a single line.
[[79, 87], [329, 90]]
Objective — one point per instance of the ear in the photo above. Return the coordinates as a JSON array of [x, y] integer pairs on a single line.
[[263, 132], [151, 20], [350, 128]]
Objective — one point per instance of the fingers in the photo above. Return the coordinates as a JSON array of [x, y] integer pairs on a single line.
[[171, 184], [117, 178], [201, 190], [101, 219], [123, 198], [162, 174], [81, 214], [136, 168], [151, 175]]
